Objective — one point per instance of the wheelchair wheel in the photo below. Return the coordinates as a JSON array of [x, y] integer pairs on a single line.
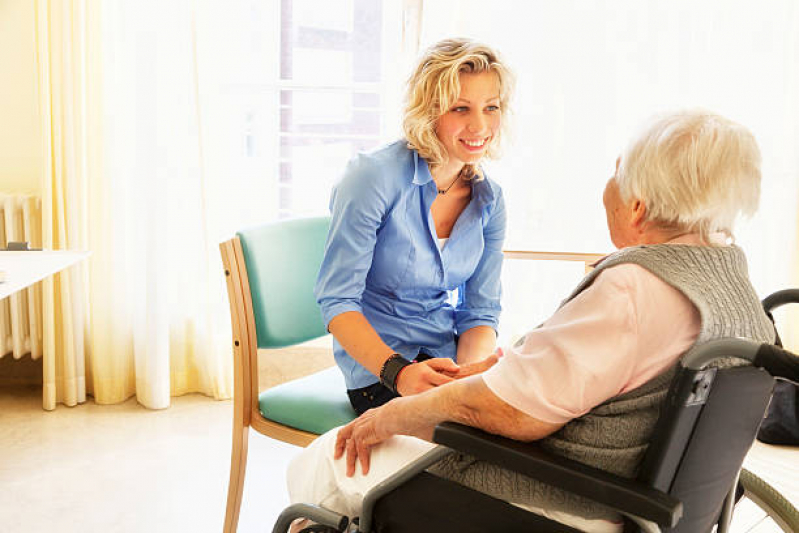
[[769, 505]]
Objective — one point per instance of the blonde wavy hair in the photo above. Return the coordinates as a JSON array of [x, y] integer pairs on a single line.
[[694, 170], [435, 86]]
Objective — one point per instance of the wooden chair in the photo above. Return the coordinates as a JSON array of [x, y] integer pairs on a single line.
[[271, 271]]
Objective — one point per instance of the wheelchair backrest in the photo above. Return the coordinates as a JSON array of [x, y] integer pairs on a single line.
[[706, 427]]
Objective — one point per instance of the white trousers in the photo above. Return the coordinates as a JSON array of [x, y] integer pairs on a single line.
[[315, 477]]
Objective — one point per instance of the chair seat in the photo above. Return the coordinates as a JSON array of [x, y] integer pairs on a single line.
[[315, 403]]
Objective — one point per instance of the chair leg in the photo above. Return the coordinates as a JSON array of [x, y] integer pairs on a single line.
[[238, 465]]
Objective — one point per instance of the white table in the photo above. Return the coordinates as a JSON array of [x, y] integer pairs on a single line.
[[23, 269]]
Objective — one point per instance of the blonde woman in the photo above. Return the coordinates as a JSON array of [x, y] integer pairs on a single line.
[[411, 222]]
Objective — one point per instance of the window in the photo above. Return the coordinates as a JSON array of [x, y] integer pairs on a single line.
[[330, 95]]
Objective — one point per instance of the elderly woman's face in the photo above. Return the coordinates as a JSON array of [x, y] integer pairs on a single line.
[[619, 214], [468, 128]]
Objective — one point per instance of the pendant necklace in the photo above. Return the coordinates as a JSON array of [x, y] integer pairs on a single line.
[[444, 191]]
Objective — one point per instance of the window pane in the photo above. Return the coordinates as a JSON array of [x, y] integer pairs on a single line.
[[330, 70]]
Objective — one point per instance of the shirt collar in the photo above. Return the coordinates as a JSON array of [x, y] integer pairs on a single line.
[[421, 172], [484, 190]]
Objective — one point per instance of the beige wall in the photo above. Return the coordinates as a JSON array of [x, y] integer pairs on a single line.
[[20, 125]]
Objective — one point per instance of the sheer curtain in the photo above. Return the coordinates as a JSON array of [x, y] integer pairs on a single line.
[[159, 319], [589, 73], [67, 75], [126, 179]]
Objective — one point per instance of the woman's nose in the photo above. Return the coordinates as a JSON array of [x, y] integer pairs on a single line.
[[477, 124]]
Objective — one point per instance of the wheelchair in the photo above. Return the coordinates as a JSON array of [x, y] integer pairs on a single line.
[[690, 479]]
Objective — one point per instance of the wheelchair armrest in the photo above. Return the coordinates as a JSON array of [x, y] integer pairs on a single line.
[[624, 495]]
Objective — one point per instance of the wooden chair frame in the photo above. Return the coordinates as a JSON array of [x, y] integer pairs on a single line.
[[246, 411]]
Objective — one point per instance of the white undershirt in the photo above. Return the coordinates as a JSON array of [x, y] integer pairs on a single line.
[[442, 243]]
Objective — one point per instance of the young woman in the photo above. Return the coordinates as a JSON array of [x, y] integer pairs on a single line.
[[413, 221]]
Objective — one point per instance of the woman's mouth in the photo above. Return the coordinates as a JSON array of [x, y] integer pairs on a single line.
[[474, 145]]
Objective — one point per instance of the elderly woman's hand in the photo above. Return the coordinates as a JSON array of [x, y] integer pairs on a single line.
[[478, 367], [357, 438]]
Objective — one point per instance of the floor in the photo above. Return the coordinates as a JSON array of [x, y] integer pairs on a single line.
[[126, 469]]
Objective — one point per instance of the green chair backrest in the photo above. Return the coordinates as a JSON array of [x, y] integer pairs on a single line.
[[282, 262]]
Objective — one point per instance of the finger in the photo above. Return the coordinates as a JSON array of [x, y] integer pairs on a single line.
[[341, 442], [488, 362], [363, 456], [435, 379], [478, 367], [352, 455], [499, 352], [442, 363]]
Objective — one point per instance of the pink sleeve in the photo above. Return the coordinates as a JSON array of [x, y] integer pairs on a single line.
[[583, 355]]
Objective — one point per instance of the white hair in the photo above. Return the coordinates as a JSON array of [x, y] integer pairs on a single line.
[[694, 170]]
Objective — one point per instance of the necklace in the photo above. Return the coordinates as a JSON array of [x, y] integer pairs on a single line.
[[444, 191]]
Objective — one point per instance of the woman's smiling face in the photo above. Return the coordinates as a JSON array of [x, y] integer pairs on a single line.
[[471, 123]]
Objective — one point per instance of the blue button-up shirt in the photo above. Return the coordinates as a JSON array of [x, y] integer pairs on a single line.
[[382, 258]]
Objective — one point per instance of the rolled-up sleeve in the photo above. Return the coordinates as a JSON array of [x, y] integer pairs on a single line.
[[357, 206], [482, 291], [580, 357]]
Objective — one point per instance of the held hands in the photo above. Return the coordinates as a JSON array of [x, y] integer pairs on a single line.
[[437, 371], [423, 376], [375, 426]]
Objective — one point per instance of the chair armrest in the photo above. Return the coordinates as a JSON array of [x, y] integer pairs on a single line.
[[624, 495]]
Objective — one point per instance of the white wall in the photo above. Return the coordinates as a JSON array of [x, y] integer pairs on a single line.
[[20, 123]]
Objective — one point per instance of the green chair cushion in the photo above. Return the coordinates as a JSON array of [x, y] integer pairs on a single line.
[[315, 403]]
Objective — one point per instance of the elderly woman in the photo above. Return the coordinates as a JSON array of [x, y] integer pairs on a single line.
[[588, 382]]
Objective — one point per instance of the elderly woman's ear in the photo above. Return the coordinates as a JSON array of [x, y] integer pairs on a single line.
[[638, 215]]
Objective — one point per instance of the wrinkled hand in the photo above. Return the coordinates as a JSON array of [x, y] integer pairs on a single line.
[[359, 436], [423, 376], [477, 367]]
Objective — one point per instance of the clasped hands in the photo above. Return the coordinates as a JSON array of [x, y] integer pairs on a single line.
[[437, 371], [377, 425]]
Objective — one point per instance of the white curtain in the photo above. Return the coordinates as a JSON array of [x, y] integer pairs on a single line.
[[590, 72], [160, 322], [67, 72], [127, 178]]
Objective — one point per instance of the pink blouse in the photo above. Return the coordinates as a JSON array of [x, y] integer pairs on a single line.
[[625, 329]]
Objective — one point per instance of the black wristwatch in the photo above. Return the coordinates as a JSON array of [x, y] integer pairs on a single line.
[[391, 369]]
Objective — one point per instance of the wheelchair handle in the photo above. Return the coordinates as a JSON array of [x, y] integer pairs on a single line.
[[780, 298], [733, 347]]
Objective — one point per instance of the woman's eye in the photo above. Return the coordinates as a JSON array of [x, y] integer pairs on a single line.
[[460, 109], [492, 108]]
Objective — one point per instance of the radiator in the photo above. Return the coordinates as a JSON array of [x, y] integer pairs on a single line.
[[21, 313]]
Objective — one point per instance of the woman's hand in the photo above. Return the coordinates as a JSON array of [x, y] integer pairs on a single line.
[[425, 375]]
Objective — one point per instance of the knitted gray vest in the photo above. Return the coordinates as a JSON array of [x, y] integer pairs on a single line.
[[614, 435]]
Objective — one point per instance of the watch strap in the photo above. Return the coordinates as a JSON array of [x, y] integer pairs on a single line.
[[391, 370]]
